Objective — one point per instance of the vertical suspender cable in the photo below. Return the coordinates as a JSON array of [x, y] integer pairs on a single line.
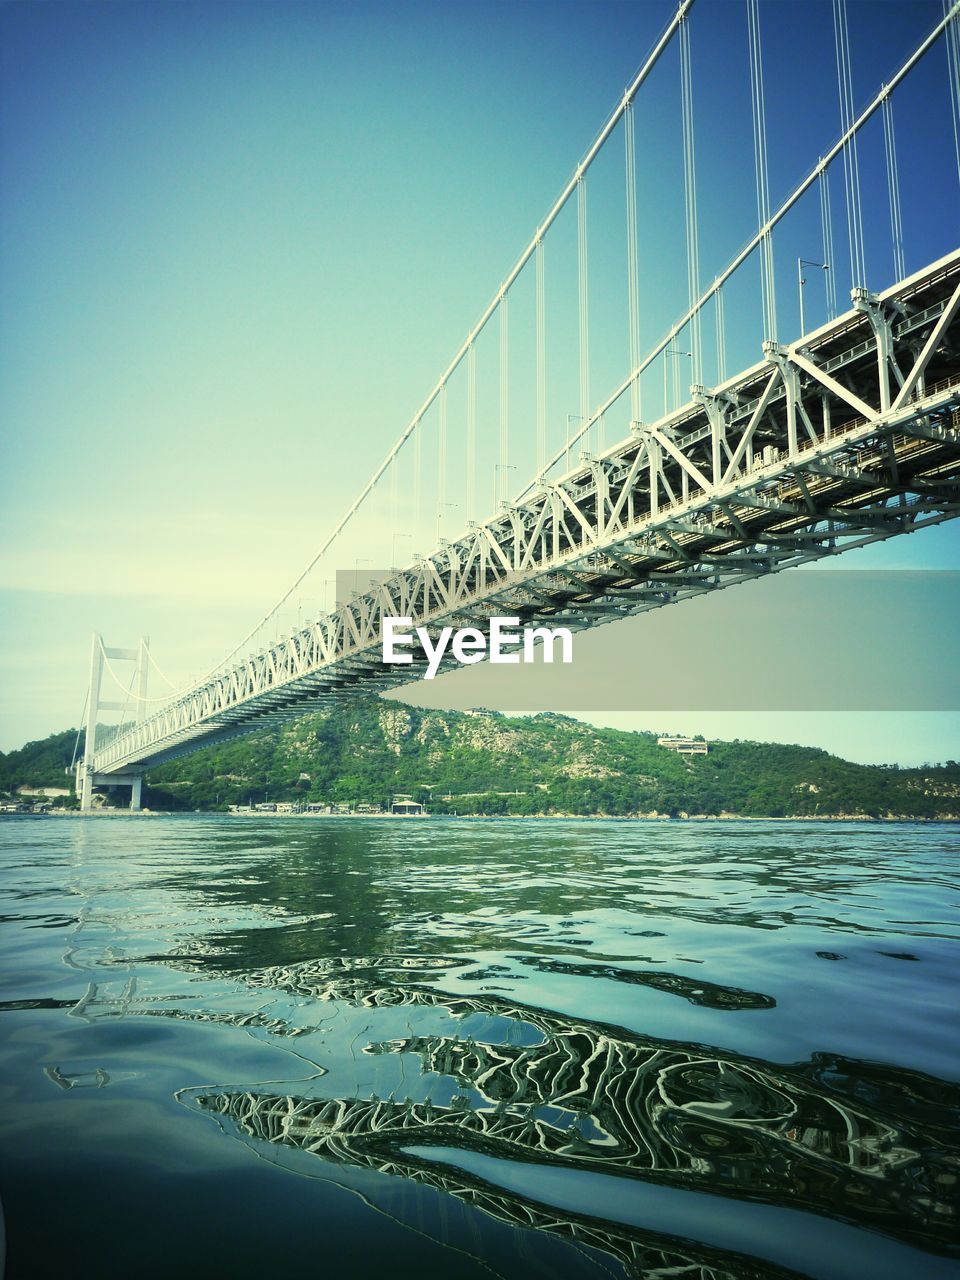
[[394, 494], [584, 285], [76, 745], [851, 168], [690, 193], [767, 283], [893, 189], [826, 236], [472, 432], [721, 338], [952, 33], [442, 459], [500, 485], [676, 377], [417, 475], [541, 365], [633, 282]]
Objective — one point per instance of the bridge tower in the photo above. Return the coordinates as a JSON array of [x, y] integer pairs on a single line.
[[100, 655]]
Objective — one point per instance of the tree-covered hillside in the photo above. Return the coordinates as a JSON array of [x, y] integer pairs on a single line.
[[39, 764], [368, 749]]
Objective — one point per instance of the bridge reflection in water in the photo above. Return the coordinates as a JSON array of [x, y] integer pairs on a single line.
[[859, 1142]]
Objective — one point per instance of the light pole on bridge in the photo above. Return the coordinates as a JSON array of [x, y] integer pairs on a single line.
[[500, 482], [440, 510], [355, 585], [671, 349], [571, 418], [802, 280], [393, 549]]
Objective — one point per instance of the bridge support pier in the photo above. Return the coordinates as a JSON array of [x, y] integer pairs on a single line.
[[85, 788], [132, 780]]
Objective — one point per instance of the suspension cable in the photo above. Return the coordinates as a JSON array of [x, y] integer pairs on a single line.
[[851, 168], [583, 285], [76, 744], [395, 493], [541, 318], [442, 460], [125, 689], [826, 239], [690, 195], [633, 283], [721, 338], [676, 377], [893, 189], [953, 70], [126, 699], [471, 431], [500, 479], [153, 662], [767, 281]]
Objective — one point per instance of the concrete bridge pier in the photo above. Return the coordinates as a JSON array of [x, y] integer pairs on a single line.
[[88, 780]]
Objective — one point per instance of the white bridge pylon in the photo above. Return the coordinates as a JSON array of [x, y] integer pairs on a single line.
[[87, 776]]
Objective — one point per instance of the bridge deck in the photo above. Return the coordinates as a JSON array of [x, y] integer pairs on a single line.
[[848, 436]]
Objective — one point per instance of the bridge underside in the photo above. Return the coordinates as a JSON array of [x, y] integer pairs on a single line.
[[849, 436]]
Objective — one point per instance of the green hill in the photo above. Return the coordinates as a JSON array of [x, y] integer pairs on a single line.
[[367, 750], [39, 764]]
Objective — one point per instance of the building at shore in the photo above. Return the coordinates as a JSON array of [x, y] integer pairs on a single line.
[[406, 807], [685, 746]]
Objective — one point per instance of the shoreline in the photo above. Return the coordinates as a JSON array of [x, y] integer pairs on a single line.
[[889, 819]]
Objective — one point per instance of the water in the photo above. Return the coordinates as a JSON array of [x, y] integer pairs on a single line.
[[241, 1047]]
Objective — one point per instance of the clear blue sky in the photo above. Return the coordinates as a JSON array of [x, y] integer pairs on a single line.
[[239, 241]]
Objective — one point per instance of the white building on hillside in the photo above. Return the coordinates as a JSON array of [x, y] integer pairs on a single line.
[[685, 746]]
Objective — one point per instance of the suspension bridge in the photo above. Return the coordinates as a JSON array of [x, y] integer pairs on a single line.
[[839, 435]]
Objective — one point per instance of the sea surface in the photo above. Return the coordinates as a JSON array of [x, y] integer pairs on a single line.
[[367, 1048]]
